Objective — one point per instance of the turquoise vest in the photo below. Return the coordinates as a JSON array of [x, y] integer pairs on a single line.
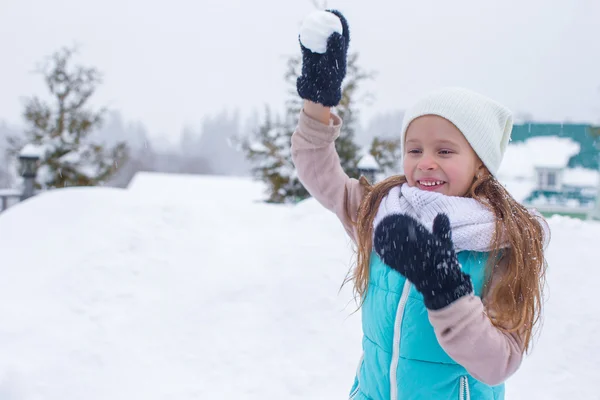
[[402, 359]]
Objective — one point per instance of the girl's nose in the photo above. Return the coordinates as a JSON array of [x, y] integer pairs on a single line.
[[427, 163]]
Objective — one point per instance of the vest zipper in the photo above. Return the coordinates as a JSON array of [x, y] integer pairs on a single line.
[[396, 343], [354, 393], [465, 393]]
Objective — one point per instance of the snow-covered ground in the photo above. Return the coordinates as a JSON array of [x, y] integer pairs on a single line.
[[190, 288]]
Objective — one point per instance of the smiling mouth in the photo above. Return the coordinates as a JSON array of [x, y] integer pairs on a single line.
[[430, 184]]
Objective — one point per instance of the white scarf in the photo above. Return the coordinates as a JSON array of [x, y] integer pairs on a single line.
[[472, 224]]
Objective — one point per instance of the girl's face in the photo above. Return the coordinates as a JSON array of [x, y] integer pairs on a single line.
[[437, 157]]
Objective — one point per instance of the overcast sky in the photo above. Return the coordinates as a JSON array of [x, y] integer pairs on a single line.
[[169, 63]]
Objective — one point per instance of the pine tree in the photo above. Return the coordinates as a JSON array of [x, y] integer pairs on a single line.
[[268, 149], [347, 110], [62, 128], [387, 153], [269, 153]]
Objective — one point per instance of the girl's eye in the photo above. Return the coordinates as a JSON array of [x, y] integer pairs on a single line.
[[445, 152], [414, 151]]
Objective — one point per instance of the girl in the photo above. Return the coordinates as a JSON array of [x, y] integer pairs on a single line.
[[450, 268]]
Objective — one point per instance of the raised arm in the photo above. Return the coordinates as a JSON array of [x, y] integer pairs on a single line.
[[324, 40], [318, 167]]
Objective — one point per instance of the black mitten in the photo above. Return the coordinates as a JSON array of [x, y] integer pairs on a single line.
[[427, 260], [322, 74]]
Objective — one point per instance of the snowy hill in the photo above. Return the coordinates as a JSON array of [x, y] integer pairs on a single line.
[[188, 288]]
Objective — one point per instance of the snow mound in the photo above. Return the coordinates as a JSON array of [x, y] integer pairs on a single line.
[[142, 293]]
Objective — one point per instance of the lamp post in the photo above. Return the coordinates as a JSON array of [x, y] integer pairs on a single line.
[[29, 158], [368, 167]]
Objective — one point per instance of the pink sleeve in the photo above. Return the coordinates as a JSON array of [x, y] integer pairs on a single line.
[[318, 166], [466, 333]]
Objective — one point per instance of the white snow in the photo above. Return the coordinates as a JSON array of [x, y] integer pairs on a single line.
[[32, 150], [316, 29], [10, 192], [82, 160], [521, 159], [580, 176], [518, 169], [72, 157], [196, 190], [520, 189], [258, 147], [368, 162], [189, 288]]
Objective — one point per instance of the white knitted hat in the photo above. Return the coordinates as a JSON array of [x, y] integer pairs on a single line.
[[486, 124]]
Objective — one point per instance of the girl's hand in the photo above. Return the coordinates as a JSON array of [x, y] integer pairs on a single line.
[[324, 40], [426, 259]]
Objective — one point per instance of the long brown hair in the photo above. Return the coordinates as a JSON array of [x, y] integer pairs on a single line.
[[516, 298]]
